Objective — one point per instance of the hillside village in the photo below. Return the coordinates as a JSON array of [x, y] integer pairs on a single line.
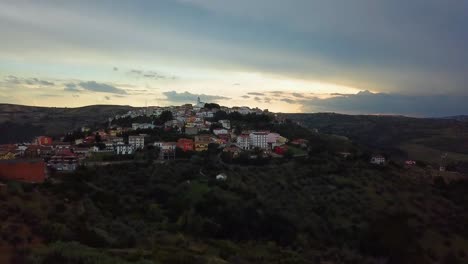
[[159, 133]]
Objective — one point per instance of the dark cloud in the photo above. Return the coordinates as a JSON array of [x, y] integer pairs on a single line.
[[366, 102], [267, 100], [297, 95], [258, 99], [151, 75], [101, 87], [71, 87], [28, 81], [107, 98], [289, 101], [236, 84], [245, 96], [35, 81], [187, 97], [255, 93], [115, 69], [50, 95]]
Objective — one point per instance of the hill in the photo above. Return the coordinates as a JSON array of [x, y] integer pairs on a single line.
[[401, 137], [22, 123], [322, 209]]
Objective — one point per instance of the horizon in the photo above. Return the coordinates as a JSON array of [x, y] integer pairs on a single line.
[[399, 59]]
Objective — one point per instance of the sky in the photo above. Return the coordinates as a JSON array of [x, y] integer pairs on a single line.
[[357, 57]]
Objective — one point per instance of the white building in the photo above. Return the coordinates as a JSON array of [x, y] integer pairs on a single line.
[[138, 142], [225, 123], [220, 131], [377, 160], [258, 139], [124, 149], [136, 126], [243, 141]]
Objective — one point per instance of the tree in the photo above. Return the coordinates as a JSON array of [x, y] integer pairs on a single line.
[[166, 116]]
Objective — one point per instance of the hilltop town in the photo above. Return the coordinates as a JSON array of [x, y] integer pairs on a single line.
[[156, 133]]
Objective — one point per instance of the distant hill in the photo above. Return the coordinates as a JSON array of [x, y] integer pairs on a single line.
[[22, 123], [399, 136], [463, 118]]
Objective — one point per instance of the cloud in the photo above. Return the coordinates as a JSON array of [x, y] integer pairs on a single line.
[[101, 87], [107, 97], [245, 96], [187, 97], [255, 93], [289, 101], [27, 81], [151, 75], [258, 99], [115, 69], [71, 87], [366, 102]]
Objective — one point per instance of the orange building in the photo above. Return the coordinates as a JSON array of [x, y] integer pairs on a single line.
[[44, 141], [185, 144], [23, 170]]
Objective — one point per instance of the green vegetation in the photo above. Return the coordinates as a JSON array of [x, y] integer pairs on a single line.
[[321, 208]]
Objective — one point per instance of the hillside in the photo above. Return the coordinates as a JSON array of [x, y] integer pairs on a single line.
[[398, 136], [22, 123], [319, 210]]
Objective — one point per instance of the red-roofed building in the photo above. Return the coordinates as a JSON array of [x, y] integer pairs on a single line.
[[185, 144], [64, 160], [43, 141], [23, 170]]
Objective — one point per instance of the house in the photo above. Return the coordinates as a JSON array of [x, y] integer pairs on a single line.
[[43, 140], [185, 144], [191, 130], [37, 151], [258, 140], [124, 149], [243, 141], [202, 142], [220, 131], [81, 152], [7, 152], [300, 142], [377, 160], [221, 177], [225, 123], [344, 154], [280, 150], [32, 171], [63, 160], [234, 150], [138, 142], [410, 162], [136, 126], [79, 141], [61, 145], [7, 155], [167, 149], [275, 139]]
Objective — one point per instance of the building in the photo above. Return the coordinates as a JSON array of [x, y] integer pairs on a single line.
[[185, 144], [225, 123], [43, 140], [243, 141], [191, 130], [124, 149], [167, 149], [138, 142], [63, 160], [136, 126], [220, 131], [23, 170], [258, 140], [275, 140], [377, 160], [202, 142]]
